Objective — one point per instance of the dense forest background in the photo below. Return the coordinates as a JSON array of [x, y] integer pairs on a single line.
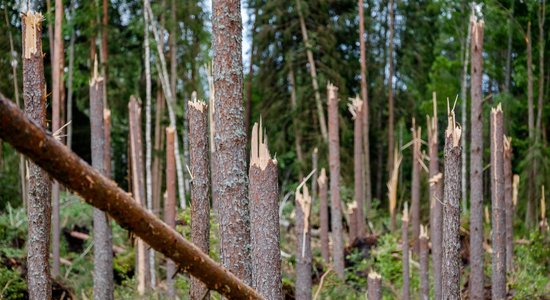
[[429, 52]]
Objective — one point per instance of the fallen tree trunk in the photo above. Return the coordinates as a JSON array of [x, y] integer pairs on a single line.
[[74, 173]]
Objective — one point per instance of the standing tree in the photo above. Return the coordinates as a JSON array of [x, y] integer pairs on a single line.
[[38, 208], [323, 215], [334, 162], [392, 188], [303, 244], [415, 185], [356, 109], [530, 213], [508, 203], [424, 269], [390, 89], [200, 200], [374, 283], [476, 162], [405, 256], [264, 218], [451, 209], [498, 283], [230, 184], [170, 205]]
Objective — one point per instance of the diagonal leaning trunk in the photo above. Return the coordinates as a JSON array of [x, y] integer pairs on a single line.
[[264, 218], [38, 208]]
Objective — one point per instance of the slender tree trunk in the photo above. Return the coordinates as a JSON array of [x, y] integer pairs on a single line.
[[374, 283], [231, 180], [314, 177], [303, 244], [323, 207], [70, 76], [334, 162], [313, 72], [451, 208], [405, 255], [365, 98], [74, 173], [476, 163], [424, 265], [541, 17], [415, 190], [508, 70], [107, 149], [38, 208], [530, 213], [170, 205], [508, 203], [390, 89], [356, 108], [353, 228], [392, 188], [436, 197], [498, 283], [264, 218], [463, 116], [104, 46], [297, 133], [103, 245], [200, 196]]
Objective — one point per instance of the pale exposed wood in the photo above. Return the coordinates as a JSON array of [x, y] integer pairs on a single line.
[[405, 256], [374, 286], [303, 244], [392, 188]]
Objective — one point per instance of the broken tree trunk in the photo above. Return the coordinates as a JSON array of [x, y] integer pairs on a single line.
[[476, 162], [264, 218], [415, 185], [392, 188], [365, 98], [334, 163], [424, 264], [103, 254], [200, 185], [374, 282], [508, 203], [303, 244], [498, 278], [38, 208], [356, 109], [451, 210], [390, 88], [99, 191], [323, 207], [405, 254], [170, 205], [353, 228], [436, 197]]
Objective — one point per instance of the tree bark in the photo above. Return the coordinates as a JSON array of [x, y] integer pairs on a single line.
[[303, 245], [463, 116], [356, 108], [476, 162], [103, 244], [231, 180], [103, 193], [365, 98], [264, 218], [170, 205], [508, 203], [405, 254], [323, 212], [530, 213], [200, 196], [508, 70], [415, 186], [314, 177], [374, 283], [70, 79], [104, 48], [436, 197], [39, 184], [159, 141], [498, 282], [424, 265], [313, 72], [334, 162], [540, 105], [107, 148], [390, 89], [451, 209]]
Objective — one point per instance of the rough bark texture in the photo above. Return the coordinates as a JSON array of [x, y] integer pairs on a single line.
[[103, 193], [264, 219], [451, 212], [374, 286], [303, 245], [476, 163], [365, 98], [323, 212], [334, 163], [231, 180], [415, 187], [390, 89], [356, 108], [405, 254], [170, 205], [200, 186], [508, 203], [424, 266], [498, 219], [103, 244], [436, 197], [38, 208]]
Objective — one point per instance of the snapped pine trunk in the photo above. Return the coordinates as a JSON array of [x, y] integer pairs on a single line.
[[405, 254], [323, 215], [38, 188], [498, 278], [415, 191], [264, 218], [353, 228], [476, 163], [451, 210], [436, 197], [170, 205], [303, 245], [230, 184], [424, 264], [508, 203], [334, 163], [356, 110], [200, 196], [374, 283], [101, 192]]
